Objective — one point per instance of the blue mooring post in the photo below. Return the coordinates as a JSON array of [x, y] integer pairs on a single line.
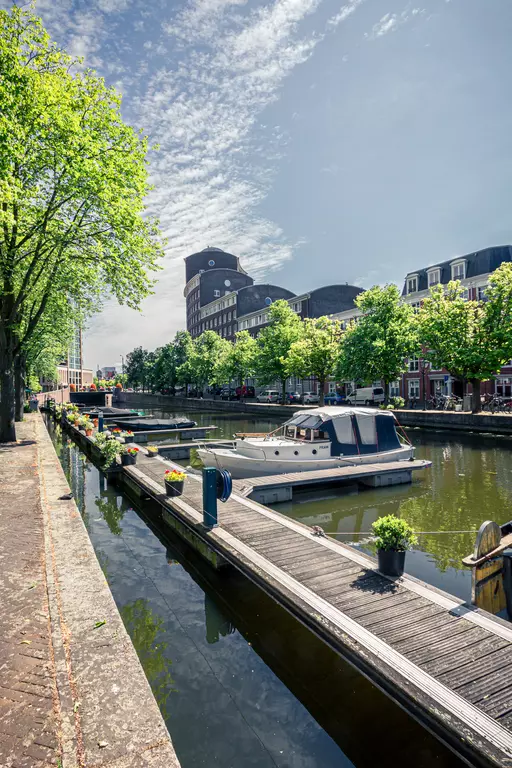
[[100, 421], [209, 497]]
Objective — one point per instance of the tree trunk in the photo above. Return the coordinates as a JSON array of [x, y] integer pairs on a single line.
[[321, 384], [476, 402], [283, 393], [386, 392], [19, 386], [7, 428]]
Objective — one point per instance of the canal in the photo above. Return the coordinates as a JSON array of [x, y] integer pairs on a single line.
[[238, 680]]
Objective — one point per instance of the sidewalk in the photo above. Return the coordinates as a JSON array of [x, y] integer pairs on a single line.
[[72, 694]]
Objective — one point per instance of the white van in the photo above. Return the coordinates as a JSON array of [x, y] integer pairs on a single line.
[[366, 396]]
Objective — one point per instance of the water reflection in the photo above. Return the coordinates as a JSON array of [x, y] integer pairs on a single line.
[[146, 630]]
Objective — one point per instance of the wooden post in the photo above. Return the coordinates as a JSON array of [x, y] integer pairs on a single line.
[[487, 590]]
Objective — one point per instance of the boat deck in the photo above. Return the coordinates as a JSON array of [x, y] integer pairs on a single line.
[[443, 660]]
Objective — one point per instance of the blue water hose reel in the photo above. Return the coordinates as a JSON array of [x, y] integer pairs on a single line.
[[224, 485]]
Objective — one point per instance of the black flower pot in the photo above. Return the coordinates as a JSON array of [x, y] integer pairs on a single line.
[[174, 489], [127, 459], [129, 438], [391, 562]]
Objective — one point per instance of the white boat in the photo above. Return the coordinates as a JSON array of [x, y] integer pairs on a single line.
[[317, 438]]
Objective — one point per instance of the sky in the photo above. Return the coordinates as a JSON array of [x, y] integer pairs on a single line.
[[321, 141]]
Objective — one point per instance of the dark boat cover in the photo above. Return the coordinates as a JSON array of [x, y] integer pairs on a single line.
[[109, 412], [146, 425]]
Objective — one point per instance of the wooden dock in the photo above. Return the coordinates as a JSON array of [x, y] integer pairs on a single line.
[[182, 450], [444, 661], [271, 489]]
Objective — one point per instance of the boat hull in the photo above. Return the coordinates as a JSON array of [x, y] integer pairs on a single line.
[[244, 466]]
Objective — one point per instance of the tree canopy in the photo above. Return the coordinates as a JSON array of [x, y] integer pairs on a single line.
[[274, 343], [316, 352], [379, 343], [73, 179], [471, 339]]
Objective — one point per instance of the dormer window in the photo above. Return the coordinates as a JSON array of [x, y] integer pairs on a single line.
[[434, 277], [458, 269], [412, 283]]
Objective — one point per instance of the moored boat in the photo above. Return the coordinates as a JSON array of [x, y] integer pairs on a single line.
[[149, 425], [314, 439]]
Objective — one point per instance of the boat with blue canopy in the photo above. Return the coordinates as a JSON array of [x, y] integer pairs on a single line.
[[313, 439]]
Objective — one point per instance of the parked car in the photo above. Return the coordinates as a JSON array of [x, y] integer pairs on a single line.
[[366, 396], [310, 398], [292, 397], [245, 392], [268, 396], [334, 398], [228, 393]]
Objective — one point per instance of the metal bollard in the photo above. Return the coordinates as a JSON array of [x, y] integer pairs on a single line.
[[210, 497], [100, 421]]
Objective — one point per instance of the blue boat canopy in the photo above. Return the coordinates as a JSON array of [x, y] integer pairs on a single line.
[[351, 431]]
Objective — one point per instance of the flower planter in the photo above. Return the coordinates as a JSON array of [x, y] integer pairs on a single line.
[[174, 489], [129, 438], [127, 459], [88, 432], [152, 454], [391, 562]]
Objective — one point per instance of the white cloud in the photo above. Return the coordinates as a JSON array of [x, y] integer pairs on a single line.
[[344, 12], [390, 22]]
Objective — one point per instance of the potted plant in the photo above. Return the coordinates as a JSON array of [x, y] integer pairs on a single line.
[[174, 482], [152, 451], [129, 455], [128, 436], [89, 426], [393, 537], [110, 450], [81, 422]]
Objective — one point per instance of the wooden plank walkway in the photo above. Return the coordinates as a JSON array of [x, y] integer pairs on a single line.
[[377, 475], [444, 661]]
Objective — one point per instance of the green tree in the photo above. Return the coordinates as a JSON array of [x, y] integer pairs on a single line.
[[136, 367], [239, 361], [274, 342], [377, 345], [471, 339], [316, 353], [73, 179], [201, 367]]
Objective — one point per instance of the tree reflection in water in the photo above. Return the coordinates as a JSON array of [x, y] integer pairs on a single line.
[[146, 631], [112, 510]]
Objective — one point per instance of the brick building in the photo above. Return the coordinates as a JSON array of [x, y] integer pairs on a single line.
[[473, 270]]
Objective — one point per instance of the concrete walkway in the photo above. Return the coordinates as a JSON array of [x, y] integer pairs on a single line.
[[72, 691]]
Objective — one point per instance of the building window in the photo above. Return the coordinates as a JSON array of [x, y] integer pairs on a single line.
[[412, 284], [481, 293], [434, 277], [297, 306], [416, 305], [503, 387], [394, 389], [459, 270], [414, 364], [413, 386], [216, 293], [215, 321], [465, 294]]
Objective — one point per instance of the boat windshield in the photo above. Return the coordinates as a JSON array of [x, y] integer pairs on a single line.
[[304, 427]]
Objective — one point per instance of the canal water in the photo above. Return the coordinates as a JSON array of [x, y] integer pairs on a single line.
[[239, 681]]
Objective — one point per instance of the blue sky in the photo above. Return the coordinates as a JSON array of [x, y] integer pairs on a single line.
[[322, 141]]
